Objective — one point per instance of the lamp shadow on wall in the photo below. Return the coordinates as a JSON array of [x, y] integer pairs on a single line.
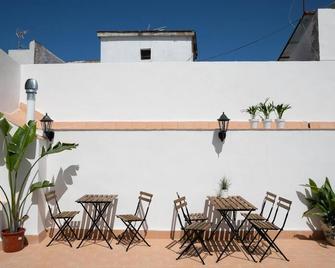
[[217, 143]]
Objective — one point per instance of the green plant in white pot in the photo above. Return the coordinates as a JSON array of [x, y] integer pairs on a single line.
[[321, 203], [20, 184], [266, 108], [253, 111], [280, 110], [224, 185]]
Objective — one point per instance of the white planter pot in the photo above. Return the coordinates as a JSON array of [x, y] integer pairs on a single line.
[[223, 193], [280, 123], [267, 123], [253, 123]]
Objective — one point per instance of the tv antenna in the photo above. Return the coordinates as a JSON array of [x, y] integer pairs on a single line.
[[160, 29], [20, 36]]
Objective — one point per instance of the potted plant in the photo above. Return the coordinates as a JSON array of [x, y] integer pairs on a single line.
[[224, 185], [266, 108], [252, 111], [15, 147], [321, 203], [280, 109]]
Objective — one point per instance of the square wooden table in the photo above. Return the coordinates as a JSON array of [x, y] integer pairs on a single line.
[[232, 204], [100, 204]]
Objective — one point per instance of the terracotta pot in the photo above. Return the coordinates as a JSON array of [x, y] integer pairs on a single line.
[[12, 242], [329, 233]]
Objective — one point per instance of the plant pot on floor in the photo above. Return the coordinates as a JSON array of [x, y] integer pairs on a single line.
[[329, 233], [253, 123], [280, 123], [267, 123], [12, 242]]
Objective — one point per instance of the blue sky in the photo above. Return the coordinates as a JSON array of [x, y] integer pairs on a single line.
[[68, 27]]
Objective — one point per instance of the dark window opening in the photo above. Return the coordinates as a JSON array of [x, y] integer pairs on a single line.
[[146, 54]]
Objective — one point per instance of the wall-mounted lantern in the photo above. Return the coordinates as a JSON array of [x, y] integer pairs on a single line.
[[223, 124], [46, 123]]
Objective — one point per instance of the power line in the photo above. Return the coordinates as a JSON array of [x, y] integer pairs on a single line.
[[252, 42]]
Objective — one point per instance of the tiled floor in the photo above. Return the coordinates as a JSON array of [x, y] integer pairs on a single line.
[[162, 253]]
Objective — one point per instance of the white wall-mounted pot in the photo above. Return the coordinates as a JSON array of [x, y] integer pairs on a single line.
[[267, 123], [280, 123], [253, 123]]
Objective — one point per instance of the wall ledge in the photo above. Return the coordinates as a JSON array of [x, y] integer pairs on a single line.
[[184, 126]]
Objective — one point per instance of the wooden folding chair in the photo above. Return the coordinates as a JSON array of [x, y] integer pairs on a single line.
[[270, 199], [139, 216], [189, 218], [262, 228], [193, 231], [66, 216]]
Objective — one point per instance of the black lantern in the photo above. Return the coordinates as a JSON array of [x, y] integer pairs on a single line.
[[223, 124], [46, 123]]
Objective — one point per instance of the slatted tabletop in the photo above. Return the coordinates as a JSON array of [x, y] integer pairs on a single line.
[[231, 203], [97, 198]]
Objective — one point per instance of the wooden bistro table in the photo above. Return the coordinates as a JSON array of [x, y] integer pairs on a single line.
[[100, 204], [232, 204]]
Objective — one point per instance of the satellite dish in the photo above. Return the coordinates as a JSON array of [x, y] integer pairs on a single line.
[[20, 36]]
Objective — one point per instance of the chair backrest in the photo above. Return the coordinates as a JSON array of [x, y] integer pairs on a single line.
[[283, 204], [143, 197], [270, 199], [180, 206], [184, 210], [51, 196]]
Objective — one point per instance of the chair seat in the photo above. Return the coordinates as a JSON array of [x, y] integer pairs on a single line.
[[253, 216], [199, 226], [197, 217], [265, 225], [66, 214], [129, 217]]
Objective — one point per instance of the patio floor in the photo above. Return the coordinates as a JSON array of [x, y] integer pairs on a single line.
[[162, 253]]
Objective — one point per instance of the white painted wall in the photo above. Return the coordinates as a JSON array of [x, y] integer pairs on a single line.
[[163, 162], [326, 19], [127, 49], [9, 83], [23, 56], [181, 91]]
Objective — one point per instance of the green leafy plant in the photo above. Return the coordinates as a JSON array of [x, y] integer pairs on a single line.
[[266, 108], [224, 183], [281, 108], [15, 147], [321, 202], [252, 111]]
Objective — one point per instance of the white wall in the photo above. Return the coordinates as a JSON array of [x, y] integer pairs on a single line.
[[119, 49], [163, 162], [9, 83], [23, 56], [181, 91], [326, 19]]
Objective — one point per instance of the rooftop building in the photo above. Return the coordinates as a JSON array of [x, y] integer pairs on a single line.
[[147, 46]]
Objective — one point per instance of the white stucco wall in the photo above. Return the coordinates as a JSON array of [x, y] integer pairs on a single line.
[[163, 162], [9, 83], [181, 91], [326, 19], [122, 49], [23, 56]]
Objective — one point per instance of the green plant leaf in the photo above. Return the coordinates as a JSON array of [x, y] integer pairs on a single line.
[[59, 147], [18, 144], [41, 184], [5, 127]]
